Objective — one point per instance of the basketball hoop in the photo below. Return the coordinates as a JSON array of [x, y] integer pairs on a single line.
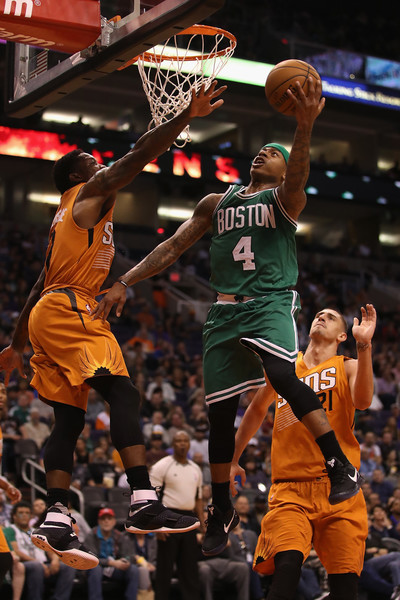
[[187, 60]]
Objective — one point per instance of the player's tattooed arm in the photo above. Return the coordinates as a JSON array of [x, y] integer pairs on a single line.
[[164, 255]]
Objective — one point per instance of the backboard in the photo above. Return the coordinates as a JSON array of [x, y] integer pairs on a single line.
[[37, 76]]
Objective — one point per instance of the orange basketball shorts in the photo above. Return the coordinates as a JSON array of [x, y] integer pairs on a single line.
[[300, 517], [3, 542], [69, 347]]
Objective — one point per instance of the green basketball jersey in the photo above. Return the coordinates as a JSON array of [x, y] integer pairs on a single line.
[[253, 247]]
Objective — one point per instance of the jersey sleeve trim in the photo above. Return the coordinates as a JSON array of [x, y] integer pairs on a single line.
[[282, 208]]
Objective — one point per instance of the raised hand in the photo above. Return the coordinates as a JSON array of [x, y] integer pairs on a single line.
[[363, 332], [200, 104], [310, 106]]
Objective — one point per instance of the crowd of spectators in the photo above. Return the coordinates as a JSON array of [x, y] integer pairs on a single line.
[[163, 355]]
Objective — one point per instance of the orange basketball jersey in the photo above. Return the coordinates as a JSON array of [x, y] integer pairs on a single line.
[[78, 258], [294, 454]]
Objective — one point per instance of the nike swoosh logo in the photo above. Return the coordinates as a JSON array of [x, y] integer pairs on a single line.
[[226, 527], [353, 477]]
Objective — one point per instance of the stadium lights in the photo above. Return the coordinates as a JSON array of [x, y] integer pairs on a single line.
[[44, 198]]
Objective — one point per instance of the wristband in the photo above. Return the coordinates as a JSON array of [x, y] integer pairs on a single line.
[[123, 283]]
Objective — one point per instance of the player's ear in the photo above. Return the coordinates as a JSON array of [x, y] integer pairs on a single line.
[[342, 337], [75, 178]]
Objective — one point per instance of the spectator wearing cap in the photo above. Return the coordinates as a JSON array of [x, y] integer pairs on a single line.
[[156, 449], [199, 443], [115, 562]]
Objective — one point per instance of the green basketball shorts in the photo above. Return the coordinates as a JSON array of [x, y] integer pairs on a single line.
[[264, 324]]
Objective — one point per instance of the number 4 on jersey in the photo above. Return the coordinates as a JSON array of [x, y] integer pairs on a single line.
[[242, 252]]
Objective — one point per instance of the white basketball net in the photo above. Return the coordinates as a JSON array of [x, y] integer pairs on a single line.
[[169, 72]]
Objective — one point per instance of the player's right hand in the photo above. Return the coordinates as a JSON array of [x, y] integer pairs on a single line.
[[236, 471], [116, 295], [10, 359]]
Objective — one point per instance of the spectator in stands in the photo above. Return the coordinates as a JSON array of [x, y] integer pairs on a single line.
[[225, 569], [94, 407], [155, 403], [243, 543], [157, 450], [386, 387], [155, 424], [204, 465], [81, 452], [381, 570], [160, 381], [199, 441], [176, 421], [367, 464], [394, 516], [258, 511], [39, 565], [387, 443], [369, 443], [143, 548], [34, 429], [115, 562], [381, 485], [38, 510], [242, 507], [22, 409], [256, 477]]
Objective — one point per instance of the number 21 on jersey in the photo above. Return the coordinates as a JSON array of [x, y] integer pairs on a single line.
[[242, 253]]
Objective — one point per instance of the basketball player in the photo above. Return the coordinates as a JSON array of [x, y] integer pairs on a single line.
[[72, 352], [299, 511], [13, 495], [252, 326]]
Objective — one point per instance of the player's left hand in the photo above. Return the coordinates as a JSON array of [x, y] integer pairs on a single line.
[[236, 471], [363, 332], [200, 104], [116, 295]]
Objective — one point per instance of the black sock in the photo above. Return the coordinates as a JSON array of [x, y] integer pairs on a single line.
[[57, 495], [329, 447], [138, 478], [220, 495]]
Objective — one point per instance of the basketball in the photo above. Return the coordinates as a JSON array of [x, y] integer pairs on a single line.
[[283, 77]]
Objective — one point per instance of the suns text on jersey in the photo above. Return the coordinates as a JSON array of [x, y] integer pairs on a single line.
[[319, 382], [252, 215]]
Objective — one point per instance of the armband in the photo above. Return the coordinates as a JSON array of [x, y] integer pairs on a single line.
[[123, 283]]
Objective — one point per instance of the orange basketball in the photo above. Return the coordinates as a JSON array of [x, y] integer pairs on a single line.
[[283, 77]]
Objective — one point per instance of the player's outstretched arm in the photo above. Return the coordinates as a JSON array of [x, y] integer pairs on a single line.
[[11, 356], [308, 107], [164, 255], [360, 372], [249, 425], [154, 143]]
